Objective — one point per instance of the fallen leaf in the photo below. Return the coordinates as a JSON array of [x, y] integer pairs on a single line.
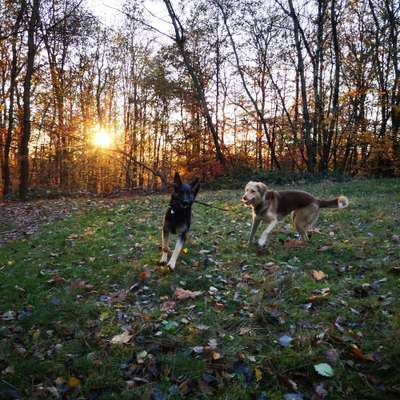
[[258, 374], [244, 330], [290, 244], [168, 305], [8, 316], [218, 306], [73, 382], [396, 238], [324, 369], [285, 340], [215, 355], [320, 391], [318, 275], [81, 284], [123, 338], [157, 394], [170, 326], [293, 396], [324, 248], [319, 294], [143, 275], [359, 355], [198, 349], [182, 294]]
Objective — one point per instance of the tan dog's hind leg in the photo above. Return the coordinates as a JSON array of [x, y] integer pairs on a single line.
[[164, 246], [304, 217]]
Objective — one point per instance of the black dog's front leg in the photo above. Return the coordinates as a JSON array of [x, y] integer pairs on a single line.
[[178, 247], [164, 245]]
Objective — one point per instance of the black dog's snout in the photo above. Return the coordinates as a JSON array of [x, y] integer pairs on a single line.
[[186, 203]]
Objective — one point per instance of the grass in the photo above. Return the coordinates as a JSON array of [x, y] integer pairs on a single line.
[[73, 286]]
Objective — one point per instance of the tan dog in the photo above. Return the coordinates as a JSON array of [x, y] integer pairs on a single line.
[[271, 206]]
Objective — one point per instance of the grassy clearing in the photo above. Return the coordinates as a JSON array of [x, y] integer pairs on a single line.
[[67, 291]]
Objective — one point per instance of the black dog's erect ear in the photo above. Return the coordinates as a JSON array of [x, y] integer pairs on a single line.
[[195, 186], [177, 180]]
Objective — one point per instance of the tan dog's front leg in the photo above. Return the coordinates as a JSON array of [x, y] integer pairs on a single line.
[[254, 227], [264, 236]]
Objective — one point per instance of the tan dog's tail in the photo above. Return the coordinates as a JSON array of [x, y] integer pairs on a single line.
[[339, 202]]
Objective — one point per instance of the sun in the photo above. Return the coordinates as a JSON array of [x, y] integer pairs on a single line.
[[102, 138]]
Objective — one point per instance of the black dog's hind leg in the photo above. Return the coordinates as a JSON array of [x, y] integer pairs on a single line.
[[178, 247], [164, 245]]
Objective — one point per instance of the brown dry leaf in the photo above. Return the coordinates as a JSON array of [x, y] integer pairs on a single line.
[[219, 306], [258, 374], [182, 294], [145, 274], [324, 248], [73, 381], [359, 355], [244, 330], [271, 269], [56, 278], [320, 294], [290, 244], [123, 338], [81, 284], [215, 355], [318, 275], [168, 305]]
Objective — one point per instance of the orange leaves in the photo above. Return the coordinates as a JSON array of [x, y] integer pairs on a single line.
[[318, 295], [360, 356], [292, 244], [182, 294], [318, 275]]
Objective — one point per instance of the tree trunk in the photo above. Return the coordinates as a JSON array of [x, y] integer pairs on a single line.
[[26, 121], [180, 42], [13, 76]]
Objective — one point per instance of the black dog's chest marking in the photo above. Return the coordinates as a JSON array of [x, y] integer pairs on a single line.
[[177, 220]]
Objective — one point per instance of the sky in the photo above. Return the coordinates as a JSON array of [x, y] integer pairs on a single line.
[[107, 11]]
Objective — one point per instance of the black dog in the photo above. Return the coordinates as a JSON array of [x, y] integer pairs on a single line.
[[178, 217]]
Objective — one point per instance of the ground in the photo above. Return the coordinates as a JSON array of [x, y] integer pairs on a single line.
[[86, 313]]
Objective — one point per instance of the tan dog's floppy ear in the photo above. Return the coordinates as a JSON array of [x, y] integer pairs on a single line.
[[262, 188]]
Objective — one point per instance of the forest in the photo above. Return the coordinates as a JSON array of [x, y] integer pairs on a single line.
[[123, 123], [204, 87]]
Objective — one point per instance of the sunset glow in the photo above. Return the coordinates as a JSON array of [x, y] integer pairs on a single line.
[[102, 138]]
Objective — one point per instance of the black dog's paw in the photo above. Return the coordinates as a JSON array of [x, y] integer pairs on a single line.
[[261, 250]]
